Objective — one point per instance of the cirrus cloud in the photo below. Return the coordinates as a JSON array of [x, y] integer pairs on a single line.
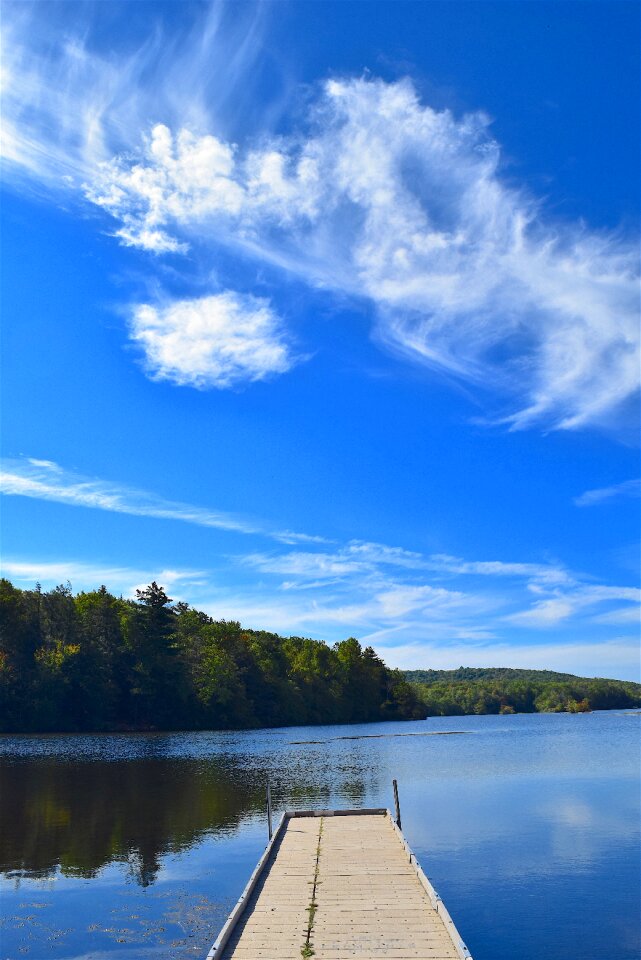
[[39, 479], [629, 488], [383, 197], [374, 194]]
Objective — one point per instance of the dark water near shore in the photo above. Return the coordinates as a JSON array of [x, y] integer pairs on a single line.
[[116, 847]]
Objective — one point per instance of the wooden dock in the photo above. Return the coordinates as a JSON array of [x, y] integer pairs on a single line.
[[335, 885]]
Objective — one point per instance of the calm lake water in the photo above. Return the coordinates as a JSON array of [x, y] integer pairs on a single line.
[[116, 847]]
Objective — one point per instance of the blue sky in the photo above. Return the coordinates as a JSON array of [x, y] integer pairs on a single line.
[[325, 315]]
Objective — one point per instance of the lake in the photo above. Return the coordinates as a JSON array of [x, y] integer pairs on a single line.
[[114, 847]]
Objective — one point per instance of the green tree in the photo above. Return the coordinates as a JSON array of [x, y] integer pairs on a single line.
[[156, 689]]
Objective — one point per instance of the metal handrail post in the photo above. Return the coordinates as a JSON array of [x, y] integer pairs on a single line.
[[269, 810], [396, 804]]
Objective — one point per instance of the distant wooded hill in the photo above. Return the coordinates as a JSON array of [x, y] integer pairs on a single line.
[[481, 690], [486, 673]]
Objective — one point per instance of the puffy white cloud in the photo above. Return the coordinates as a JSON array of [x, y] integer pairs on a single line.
[[216, 341], [187, 179]]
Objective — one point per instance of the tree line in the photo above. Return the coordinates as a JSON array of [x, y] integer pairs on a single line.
[[487, 673], [519, 691], [95, 661]]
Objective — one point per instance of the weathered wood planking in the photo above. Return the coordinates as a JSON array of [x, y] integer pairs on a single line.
[[336, 885]]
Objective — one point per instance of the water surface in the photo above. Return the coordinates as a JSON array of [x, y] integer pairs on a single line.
[[115, 847]]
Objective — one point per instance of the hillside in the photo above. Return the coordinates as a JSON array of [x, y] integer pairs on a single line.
[[486, 673], [482, 690]]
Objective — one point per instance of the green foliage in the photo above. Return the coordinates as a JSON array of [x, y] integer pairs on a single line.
[[476, 690], [485, 673], [96, 662]]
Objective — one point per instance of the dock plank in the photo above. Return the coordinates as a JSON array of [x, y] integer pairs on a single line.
[[369, 902]]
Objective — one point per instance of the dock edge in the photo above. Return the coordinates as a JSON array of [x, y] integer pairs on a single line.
[[219, 945]]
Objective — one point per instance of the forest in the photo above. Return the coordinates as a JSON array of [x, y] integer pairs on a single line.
[[503, 690], [98, 662]]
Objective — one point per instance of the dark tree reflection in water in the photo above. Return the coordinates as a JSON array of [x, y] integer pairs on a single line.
[[81, 816]]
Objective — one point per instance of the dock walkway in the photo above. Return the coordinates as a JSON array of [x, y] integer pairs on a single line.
[[337, 885]]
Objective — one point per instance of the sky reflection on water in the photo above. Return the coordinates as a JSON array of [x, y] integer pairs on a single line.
[[128, 846]]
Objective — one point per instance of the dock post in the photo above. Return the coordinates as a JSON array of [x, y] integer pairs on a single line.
[[396, 804], [269, 810]]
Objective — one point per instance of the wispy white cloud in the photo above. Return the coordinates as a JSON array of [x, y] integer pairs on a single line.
[[536, 573], [88, 576], [401, 600], [360, 586], [412, 619], [630, 614], [72, 99], [618, 657], [361, 557], [365, 607], [356, 557], [396, 596], [544, 613], [45, 464], [216, 341], [412, 626], [44, 480], [389, 199], [375, 194], [317, 567], [552, 610], [629, 488]]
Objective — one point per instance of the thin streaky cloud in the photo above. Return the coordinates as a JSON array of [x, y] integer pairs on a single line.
[[630, 614], [619, 656], [44, 480], [627, 489], [84, 575], [548, 573], [394, 607], [356, 557], [46, 464], [562, 605], [359, 583], [72, 100], [394, 586]]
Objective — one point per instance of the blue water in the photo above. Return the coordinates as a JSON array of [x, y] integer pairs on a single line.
[[134, 846]]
